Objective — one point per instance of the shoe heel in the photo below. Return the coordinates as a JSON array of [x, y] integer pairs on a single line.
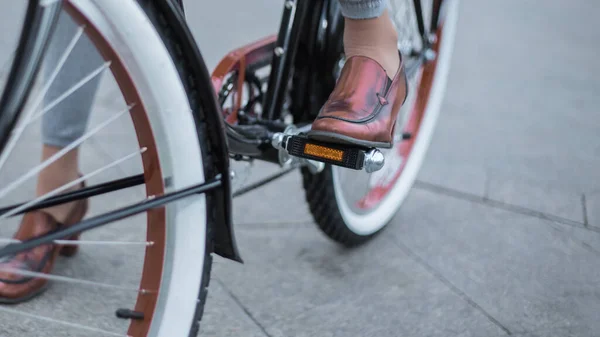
[[69, 251]]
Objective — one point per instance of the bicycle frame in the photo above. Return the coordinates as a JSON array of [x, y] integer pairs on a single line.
[[256, 143], [294, 30], [224, 139]]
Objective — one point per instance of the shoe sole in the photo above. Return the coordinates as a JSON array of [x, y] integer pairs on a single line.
[[332, 137]]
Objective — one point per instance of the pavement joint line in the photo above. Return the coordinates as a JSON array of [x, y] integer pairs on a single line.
[[584, 209], [541, 330], [589, 247], [453, 193], [486, 187], [438, 275], [242, 306]]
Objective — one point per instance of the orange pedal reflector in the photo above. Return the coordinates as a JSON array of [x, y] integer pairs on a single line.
[[323, 152], [335, 154]]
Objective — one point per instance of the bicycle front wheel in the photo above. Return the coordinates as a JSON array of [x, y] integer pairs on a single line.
[[172, 153], [352, 206]]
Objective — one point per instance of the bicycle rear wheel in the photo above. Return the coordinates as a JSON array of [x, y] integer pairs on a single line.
[[172, 152], [352, 206]]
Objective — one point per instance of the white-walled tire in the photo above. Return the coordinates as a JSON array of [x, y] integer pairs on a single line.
[[177, 266], [339, 206]]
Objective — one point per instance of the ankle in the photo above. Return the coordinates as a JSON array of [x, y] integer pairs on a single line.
[[50, 181], [374, 38], [389, 58], [61, 213]]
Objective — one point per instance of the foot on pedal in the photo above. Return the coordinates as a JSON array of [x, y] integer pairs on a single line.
[[344, 155]]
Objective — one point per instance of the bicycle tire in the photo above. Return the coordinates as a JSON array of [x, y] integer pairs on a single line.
[[176, 155], [327, 202], [185, 73]]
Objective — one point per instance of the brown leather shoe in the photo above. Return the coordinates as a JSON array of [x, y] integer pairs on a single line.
[[363, 108], [16, 288]]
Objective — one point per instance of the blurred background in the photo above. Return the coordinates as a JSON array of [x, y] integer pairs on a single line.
[[499, 236]]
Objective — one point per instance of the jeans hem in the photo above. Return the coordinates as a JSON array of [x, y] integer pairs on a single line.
[[363, 9]]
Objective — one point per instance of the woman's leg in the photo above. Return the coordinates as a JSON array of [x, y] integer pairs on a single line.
[[364, 105], [368, 31], [62, 125], [67, 121]]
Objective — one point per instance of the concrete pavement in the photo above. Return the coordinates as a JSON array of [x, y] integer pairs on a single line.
[[500, 235]]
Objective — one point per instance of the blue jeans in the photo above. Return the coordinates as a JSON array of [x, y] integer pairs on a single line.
[[362, 9], [67, 121]]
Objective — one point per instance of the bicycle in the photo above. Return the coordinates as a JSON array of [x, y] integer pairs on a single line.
[[191, 124]]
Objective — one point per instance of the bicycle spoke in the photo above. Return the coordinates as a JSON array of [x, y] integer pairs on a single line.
[[90, 243], [66, 279], [69, 185], [71, 90], [61, 322], [28, 115], [58, 68], [62, 152], [263, 182]]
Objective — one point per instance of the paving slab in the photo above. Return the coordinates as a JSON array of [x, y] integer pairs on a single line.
[[521, 96], [222, 307], [569, 331], [538, 196], [296, 282], [459, 176], [527, 272], [519, 123], [282, 201], [592, 208]]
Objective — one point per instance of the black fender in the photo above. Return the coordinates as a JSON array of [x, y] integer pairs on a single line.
[[206, 109]]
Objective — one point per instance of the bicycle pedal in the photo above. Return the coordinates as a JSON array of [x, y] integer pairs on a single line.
[[348, 156]]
